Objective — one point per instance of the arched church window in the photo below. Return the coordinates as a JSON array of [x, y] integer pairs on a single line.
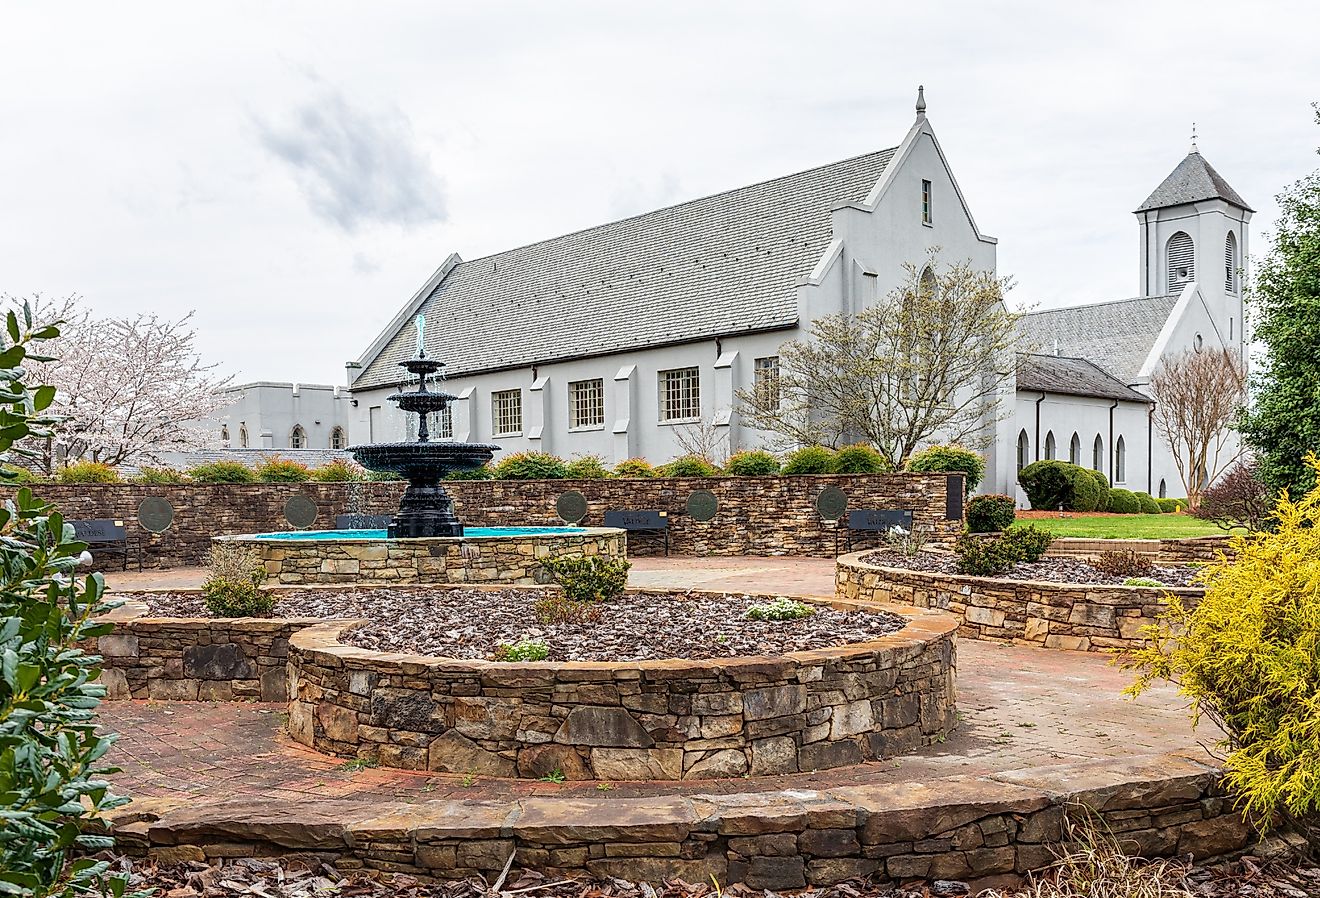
[[224, 435], [1050, 448], [1120, 461], [337, 439], [929, 285], [1182, 261], [1098, 454], [1024, 450], [242, 436], [1230, 263], [1075, 450], [1164, 489], [297, 437]]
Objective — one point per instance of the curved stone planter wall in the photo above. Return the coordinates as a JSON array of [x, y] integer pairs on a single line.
[[1055, 615], [513, 560], [633, 720]]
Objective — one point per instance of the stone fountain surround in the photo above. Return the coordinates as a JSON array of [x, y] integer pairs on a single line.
[[515, 559]]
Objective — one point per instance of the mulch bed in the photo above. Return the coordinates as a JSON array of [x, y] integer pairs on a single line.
[[471, 624], [1056, 570]]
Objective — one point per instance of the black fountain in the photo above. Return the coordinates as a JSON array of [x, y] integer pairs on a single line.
[[426, 508]]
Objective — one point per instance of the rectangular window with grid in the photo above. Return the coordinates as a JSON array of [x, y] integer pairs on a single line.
[[765, 383], [680, 395], [925, 203], [506, 413], [442, 423], [586, 403]]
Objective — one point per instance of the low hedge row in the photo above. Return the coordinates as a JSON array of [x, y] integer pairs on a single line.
[[1054, 485]]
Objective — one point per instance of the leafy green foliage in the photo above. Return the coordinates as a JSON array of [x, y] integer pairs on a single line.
[[485, 472], [339, 470], [1123, 564], [1123, 501], [752, 463], [88, 472], [233, 588], [11, 474], [522, 650], [222, 472], [634, 467], [531, 466], [282, 470], [1027, 541], [951, 460], [1141, 581], [1238, 499], [989, 513], [1147, 502], [1051, 484], [1102, 483], [781, 608], [861, 459], [160, 476], [984, 556], [586, 467], [1173, 506], [688, 466], [557, 608], [591, 578], [52, 765], [811, 460], [1248, 656]]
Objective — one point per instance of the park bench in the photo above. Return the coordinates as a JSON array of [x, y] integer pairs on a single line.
[[645, 520], [109, 537], [363, 521], [875, 520]]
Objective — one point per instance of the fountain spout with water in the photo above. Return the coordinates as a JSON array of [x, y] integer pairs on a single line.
[[426, 508]]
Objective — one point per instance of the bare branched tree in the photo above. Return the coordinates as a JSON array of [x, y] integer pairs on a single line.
[[126, 388], [1197, 395], [925, 362], [704, 440]]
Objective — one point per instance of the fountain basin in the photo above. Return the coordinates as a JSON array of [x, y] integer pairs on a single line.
[[483, 555]]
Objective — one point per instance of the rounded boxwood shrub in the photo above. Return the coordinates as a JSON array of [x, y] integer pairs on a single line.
[[160, 476], [987, 514], [861, 459], [1171, 506], [688, 466], [485, 472], [222, 472], [586, 467], [340, 470], [1123, 501], [811, 460], [531, 466], [752, 463], [1148, 503], [88, 472], [1051, 484], [1102, 483], [282, 470], [1028, 541], [949, 460], [634, 467]]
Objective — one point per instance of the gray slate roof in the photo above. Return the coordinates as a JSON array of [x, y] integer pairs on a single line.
[[715, 266], [1117, 336], [1194, 179], [1072, 377]]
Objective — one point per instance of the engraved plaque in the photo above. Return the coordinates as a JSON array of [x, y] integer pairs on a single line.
[[702, 505], [571, 506], [831, 503], [300, 512], [155, 514]]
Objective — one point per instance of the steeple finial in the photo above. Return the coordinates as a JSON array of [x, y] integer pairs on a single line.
[[921, 101], [1194, 149]]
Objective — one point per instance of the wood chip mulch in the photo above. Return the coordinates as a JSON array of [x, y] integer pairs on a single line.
[[471, 624], [1056, 570]]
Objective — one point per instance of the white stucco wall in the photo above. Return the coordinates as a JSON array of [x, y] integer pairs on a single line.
[[269, 411]]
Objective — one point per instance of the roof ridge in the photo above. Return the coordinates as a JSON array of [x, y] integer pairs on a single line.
[[672, 206], [1095, 305]]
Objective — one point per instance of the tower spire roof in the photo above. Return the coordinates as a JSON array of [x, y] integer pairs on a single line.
[[921, 102], [1193, 180]]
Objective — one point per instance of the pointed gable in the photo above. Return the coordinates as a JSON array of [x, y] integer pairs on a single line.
[[1193, 180]]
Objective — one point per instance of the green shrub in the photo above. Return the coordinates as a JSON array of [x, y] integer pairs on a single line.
[[1123, 501], [586, 467], [781, 608], [861, 459], [11, 474], [633, 467], [990, 513], [1102, 483], [1171, 506], [1051, 484], [522, 650], [160, 476], [950, 460], [531, 466], [485, 472], [1245, 654], [1147, 503], [282, 470], [811, 460], [590, 579], [752, 463], [339, 470], [222, 472], [688, 466], [1028, 541], [1141, 581], [233, 587], [88, 472], [984, 556]]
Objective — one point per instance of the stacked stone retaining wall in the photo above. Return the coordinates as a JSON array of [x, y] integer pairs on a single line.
[[1183, 550]]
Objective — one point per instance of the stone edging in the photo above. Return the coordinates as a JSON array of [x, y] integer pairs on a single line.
[[1079, 617], [668, 719]]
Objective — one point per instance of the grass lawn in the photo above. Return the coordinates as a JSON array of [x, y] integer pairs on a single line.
[[1125, 526]]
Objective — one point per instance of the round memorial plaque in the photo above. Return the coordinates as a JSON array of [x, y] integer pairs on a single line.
[[155, 514], [831, 503], [571, 506], [300, 512], [702, 505]]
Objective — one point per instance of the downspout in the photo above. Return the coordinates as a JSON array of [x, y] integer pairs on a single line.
[[1038, 402], [1150, 449], [1113, 452]]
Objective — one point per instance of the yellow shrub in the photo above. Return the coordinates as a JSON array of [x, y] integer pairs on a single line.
[[1248, 656]]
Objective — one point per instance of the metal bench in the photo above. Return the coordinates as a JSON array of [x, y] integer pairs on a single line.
[[875, 520], [109, 537], [363, 521], [643, 520]]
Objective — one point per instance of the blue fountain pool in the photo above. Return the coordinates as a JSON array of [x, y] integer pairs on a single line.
[[468, 533]]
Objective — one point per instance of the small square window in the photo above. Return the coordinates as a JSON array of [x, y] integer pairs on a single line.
[[586, 403], [926, 216], [680, 395], [506, 413]]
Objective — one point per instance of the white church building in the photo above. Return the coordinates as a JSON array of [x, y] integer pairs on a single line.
[[621, 339]]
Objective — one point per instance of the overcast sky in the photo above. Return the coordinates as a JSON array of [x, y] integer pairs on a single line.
[[294, 171]]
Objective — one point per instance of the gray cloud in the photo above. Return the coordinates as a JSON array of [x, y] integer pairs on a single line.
[[356, 167]]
